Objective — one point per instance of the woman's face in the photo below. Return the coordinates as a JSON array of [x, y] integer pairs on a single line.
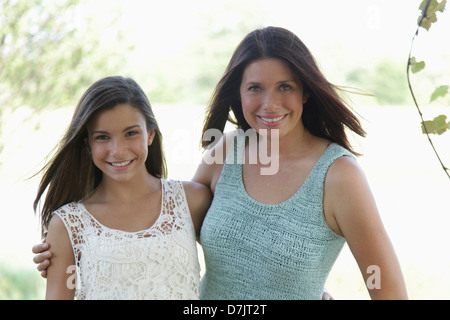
[[118, 139], [272, 97]]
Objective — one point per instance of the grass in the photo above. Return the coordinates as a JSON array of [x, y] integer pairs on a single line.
[[20, 283]]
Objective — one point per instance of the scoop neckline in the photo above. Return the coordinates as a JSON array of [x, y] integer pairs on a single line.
[[273, 205], [130, 232]]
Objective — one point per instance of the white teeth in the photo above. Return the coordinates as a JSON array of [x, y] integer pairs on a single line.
[[273, 119], [120, 164]]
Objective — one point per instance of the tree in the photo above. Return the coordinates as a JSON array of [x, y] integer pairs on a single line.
[[44, 51], [48, 54]]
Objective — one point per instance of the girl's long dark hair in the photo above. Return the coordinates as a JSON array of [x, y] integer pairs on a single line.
[[71, 174], [324, 114]]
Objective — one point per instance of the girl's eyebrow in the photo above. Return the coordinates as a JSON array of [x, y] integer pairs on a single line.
[[131, 127], [124, 130]]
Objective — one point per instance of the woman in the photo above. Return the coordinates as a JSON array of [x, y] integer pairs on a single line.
[[277, 236]]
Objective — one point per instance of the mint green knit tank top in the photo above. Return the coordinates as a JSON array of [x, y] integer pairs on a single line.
[[268, 251]]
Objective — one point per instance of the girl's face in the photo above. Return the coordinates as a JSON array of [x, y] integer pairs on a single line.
[[119, 140], [272, 97]]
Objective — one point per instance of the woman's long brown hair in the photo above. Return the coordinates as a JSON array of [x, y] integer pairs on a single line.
[[324, 115], [71, 174]]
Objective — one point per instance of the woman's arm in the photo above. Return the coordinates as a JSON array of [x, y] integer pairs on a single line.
[[199, 198], [209, 170], [351, 212], [62, 263]]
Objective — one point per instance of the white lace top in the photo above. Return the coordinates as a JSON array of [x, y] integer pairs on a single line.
[[158, 263]]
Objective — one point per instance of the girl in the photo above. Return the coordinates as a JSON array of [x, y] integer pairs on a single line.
[[112, 217]]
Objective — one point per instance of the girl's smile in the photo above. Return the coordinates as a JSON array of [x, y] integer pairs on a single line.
[[119, 166]]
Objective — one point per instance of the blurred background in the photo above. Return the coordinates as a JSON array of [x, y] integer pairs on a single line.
[[52, 50]]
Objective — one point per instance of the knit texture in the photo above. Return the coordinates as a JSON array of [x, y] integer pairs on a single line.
[[263, 251], [157, 263]]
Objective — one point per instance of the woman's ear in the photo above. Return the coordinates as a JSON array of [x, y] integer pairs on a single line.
[[305, 97], [151, 136]]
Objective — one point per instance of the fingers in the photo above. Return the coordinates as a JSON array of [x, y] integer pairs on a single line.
[[42, 258], [43, 267], [39, 248], [327, 296]]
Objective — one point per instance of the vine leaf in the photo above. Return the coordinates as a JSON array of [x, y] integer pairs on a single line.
[[439, 92], [416, 66], [436, 126], [429, 9]]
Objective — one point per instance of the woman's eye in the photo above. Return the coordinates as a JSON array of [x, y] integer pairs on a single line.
[[103, 137], [254, 89], [285, 87]]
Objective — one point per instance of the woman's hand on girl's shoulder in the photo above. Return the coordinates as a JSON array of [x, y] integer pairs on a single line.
[[42, 256]]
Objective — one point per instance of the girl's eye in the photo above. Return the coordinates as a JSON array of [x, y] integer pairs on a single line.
[[285, 87], [132, 133]]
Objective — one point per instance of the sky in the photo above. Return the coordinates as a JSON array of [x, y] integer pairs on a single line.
[[383, 25], [340, 34]]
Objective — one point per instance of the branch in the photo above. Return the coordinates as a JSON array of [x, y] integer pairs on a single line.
[[446, 170]]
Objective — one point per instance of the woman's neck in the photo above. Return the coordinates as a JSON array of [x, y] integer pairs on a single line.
[[288, 145]]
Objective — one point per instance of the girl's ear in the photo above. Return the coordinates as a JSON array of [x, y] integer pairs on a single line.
[[88, 147], [151, 136]]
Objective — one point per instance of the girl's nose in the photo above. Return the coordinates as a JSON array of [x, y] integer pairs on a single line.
[[118, 147]]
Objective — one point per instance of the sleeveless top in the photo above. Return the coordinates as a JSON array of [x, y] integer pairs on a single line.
[[157, 263], [268, 251]]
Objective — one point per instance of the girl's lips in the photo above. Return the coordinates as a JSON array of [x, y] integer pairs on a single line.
[[272, 121], [123, 165]]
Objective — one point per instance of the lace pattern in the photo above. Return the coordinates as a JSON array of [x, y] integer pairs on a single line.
[[157, 263]]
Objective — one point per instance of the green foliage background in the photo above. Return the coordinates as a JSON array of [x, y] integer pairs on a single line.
[[51, 50]]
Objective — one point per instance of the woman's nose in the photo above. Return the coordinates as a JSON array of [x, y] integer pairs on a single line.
[[271, 101]]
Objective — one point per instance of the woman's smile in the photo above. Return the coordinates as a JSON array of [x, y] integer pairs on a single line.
[[272, 121]]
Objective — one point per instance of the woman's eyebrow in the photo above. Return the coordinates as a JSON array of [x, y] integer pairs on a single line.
[[278, 82]]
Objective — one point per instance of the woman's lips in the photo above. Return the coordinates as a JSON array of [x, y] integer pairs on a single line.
[[272, 121]]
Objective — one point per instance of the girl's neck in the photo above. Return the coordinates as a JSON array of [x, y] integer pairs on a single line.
[[129, 191]]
